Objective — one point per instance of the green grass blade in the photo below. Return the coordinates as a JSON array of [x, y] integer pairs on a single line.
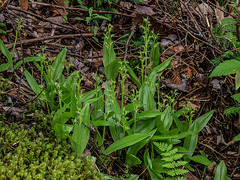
[[166, 64], [221, 171], [32, 82], [58, 64], [5, 51], [201, 121], [125, 142], [5, 66], [202, 160]]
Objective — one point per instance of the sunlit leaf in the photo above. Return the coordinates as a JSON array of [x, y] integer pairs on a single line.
[[202, 160], [32, 82], [125, 142], [6, 52], [237, 80], [237, 138], [201, 122], [221, 171], [58, 64]]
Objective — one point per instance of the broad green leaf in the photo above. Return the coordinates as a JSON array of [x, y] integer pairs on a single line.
[[237, 80], [221, 171], [108, 52], [5, 66], [58, 64], [237, 138], [32, 82], [155, 55], [111, 70], [236, 97], [148, 114], [81, 132], [202, 160], [201, 121], [145, 126], [62, 130], [132, 160], [125, 142], [148, 163], [147, 98], [164, 121], [113, 106], [133, 76], [70, 82], [177, 136], [136, 147], [190, 143], [58, 116], [178, 123], [166, 64], [6, 52], [88, 95], [103, 123], [98, 106], [226, 68], [29, 59]]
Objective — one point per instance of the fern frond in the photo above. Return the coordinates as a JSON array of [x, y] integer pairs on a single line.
[[163, 146], [170, 165], [181, 178], [173, 157], [169, 147], [177, 172], [170, 153], [232, 111], [181, 163], [174, 164]]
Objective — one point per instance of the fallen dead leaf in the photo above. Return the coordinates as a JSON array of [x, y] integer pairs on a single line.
[[204, 9], [23, 4], [219, 14], [144, 10], [181, 87], [126, 5]]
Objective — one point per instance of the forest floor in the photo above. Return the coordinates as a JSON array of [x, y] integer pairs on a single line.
[[185, 30]]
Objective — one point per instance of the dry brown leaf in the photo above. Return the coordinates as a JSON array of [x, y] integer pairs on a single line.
[[23, 4], [126, 5], [204, 9], [181, 87], [219, 14], [144, 10], [177, 49], [60, 10]]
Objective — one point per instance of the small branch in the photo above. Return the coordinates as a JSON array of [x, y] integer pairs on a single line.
[[29, 41]]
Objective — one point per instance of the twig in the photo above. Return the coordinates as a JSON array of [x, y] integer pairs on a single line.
[[133, 29], [212, 149], [195, 22], [37, 16], [83, 10], [29, 41]]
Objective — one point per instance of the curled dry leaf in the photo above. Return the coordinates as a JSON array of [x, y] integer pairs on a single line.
[[216, 84], [144, 10], [181, 87], [204, 9], [219, 14], [126, 5]]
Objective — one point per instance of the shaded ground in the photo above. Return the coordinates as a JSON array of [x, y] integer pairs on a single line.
[[185, 31]]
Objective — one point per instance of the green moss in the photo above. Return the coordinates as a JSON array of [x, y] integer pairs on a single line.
[[28, 155]]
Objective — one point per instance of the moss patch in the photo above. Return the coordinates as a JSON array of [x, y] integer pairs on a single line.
[[28, 155]]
